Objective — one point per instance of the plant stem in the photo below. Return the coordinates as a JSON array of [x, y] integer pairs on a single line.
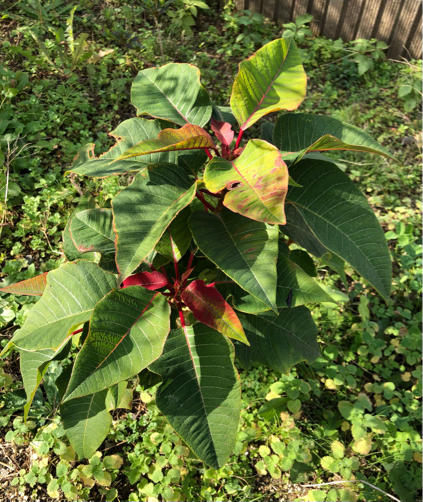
[[200, 196], [210, 193], [209, 155], [181, 315], [238, 140]]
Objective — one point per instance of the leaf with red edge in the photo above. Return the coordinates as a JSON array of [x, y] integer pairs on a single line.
[[270, 80], [223, 131], [189, 137], [257, 182], [210, 308], [31, 287], [148, 280]]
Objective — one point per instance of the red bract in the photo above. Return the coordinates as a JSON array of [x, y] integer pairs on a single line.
[[209, 307], [147, 280]]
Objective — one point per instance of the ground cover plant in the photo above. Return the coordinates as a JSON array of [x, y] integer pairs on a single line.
[[374, 441]]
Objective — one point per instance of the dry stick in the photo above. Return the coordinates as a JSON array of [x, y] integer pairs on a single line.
[[354, 481], [160, 38]]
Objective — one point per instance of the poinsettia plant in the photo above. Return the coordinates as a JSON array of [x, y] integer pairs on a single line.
[[203, 256]]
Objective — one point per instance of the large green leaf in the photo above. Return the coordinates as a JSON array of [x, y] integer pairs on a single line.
[[280, 341], [201, 393], [257, 182], [339, 216], [188, 137], [192, 160], [294, 287], [302, 133], [87, 421], [92, 231], [68, 246], [30, 287], [127, 332], [272, 79], [172, 92], [33, 367], [144, 210], [246, 250], [73, 290], [128, 133], [181, 237]]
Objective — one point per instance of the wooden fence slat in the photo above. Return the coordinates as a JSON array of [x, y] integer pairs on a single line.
[[269, 9], [255, 5], [284, 10], [368, 19], [396, 22], [318, 11], [352, 17], [415, 44], [300, 7], [402, 28], [239, 4], [333, 16], [387, 21]]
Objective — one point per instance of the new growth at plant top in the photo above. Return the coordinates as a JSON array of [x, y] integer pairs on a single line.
[[190, 264]]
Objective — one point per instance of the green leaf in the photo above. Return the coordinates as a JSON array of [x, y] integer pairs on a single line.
[[70, 250], [92, 231], [303, 260], [223, 114], [33, 368], [280, 341], [128, 133], [60, 310], [86, 421], [294, 287], [272, 79], [302, 133], [181, 237], [339, 216], [172, 92], [266, 132], [246, 250], [127, 332], [192, 160], [188, 137], [144, 210], [201, 393], [30, 287], [257, 182]]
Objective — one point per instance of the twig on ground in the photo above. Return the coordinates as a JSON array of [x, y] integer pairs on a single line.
[[353, 481]]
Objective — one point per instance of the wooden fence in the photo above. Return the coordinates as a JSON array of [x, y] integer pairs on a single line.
[[396, 22]]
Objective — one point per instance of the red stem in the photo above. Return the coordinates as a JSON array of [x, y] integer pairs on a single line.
[[238, 140], [200, 196], [209, 155], [181, 315], [77, 331], [209, 193]]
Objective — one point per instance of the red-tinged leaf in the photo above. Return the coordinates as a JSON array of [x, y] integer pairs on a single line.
[[31, 287], [186, 274], [189, 137], [210, 308], [223, 131], [147, 280], [257, 182]]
